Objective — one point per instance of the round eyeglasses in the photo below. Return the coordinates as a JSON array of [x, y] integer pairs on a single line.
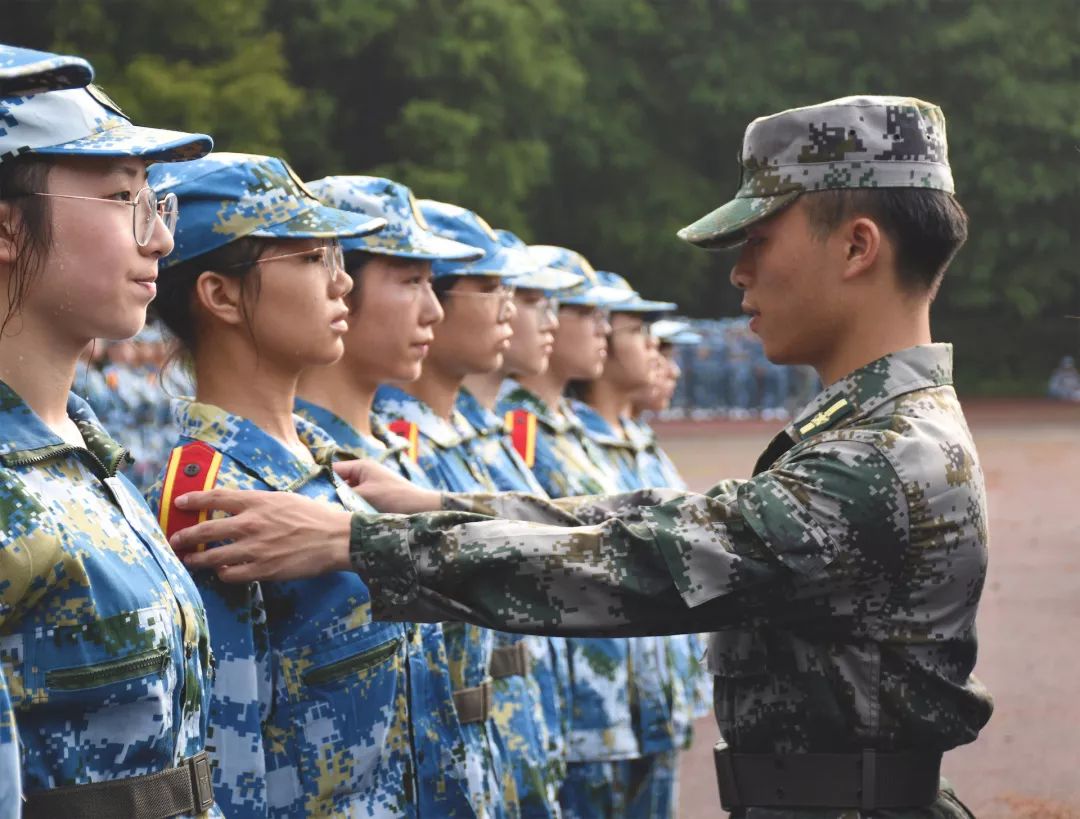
[[146, 209], [333, 258]]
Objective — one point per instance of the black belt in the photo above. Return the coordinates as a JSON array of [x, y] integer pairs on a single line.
[[867, 781], [183, 789], [510, 661]]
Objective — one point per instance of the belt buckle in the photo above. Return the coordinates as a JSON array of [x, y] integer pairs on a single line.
[[201, 784]]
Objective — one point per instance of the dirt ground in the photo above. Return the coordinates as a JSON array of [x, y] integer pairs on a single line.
[[1026, 762]]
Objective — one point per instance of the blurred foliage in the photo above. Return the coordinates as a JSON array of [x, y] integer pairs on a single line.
[[606, 125]]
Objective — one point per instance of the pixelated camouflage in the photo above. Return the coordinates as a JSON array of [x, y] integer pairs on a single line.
[[309, 713], [10, 776], [24, 71], [406, 234], [840, 582], [520, 713], [633, 302], [466, 227], [85, 122], [549, 279], [444, 456], [103, 638], [852, 142], [438, 739], [590, 292], [226, 196]]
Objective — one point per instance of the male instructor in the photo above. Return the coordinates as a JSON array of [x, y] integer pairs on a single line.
[[840, 582]]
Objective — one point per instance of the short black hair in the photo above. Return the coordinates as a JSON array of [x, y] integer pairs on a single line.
[[926, 226]]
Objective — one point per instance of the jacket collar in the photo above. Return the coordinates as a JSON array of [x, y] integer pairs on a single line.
[[380, 446], [393, 402]]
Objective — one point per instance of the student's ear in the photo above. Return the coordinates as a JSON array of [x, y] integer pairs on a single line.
[[221, 296], [862, 246], [9, 227]]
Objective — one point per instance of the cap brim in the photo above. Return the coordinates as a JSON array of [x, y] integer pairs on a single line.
[[647, 306], [599, 296], [321, 222], [726, 226], [548, 279], [125, 139], [423, 247], [506, 262], [49, 73]]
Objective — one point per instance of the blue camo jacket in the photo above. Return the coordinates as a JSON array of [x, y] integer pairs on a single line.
[[104, 643], [309, 709], [567, 463], [438, 739], [441, 451]]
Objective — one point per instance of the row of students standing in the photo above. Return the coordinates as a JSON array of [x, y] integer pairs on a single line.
[[393, 329]]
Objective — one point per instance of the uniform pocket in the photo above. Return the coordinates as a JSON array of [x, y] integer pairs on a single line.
[[153, 661]]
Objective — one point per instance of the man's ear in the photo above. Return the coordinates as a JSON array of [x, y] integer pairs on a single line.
[[221, 297], [862, 245], [9, 231]]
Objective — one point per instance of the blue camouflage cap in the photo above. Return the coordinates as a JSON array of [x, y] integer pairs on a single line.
[[85, 122], [549, 279], [406, 234], [852, 142], [462, 225], [673, 331], [590, 292], [225, 196], [633, 303], [24, 71]]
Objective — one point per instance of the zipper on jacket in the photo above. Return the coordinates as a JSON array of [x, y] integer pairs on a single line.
[[95, 462], [153, 661], [350, 665]]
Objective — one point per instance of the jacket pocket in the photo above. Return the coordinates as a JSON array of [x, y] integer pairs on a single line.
[[153, 661]]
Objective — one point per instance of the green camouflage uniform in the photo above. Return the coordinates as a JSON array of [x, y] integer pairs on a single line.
[[841, 581]]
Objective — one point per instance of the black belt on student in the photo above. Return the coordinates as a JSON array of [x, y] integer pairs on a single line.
[[473, 704], [176, 791], [868, 780], [510, 661]]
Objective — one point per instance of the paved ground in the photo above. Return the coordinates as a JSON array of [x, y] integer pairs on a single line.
[[1026, 763]]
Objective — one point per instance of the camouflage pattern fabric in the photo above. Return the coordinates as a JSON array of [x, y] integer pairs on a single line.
[[444, 456], [309, 712], [852, 142], [521, 713], [103, 638], [438, 739], [10, 777], [24, 71], [840, 582]]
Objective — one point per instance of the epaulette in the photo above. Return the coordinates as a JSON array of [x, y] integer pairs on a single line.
[[411, 433], [192, 468], [521, 424], [834, 412]]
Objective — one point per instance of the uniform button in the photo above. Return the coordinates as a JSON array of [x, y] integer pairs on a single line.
[[191, 470]]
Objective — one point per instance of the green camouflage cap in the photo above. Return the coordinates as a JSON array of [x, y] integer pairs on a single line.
[[852, 142]]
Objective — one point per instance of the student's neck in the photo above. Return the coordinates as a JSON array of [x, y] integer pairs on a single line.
[[485, 387], [548, 386], [609, 402], [880, 334], [339, 389], [233, 377], [39, 365], [436, 387]]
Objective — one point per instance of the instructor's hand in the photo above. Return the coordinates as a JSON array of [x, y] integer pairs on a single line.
[[275, 535], [386, 490]]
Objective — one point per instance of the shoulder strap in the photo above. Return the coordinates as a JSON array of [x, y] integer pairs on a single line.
[[411, 433], [522, 427], [192, 468]]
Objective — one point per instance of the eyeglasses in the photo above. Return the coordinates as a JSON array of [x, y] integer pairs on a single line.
[[147, 207], [545, 307], [633, 330], [504, 293], [333, 258], [600, 318]]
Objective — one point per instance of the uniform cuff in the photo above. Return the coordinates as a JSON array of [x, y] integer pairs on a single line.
[[380, 554]]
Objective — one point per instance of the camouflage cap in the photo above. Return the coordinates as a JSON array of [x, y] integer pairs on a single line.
[[590, 292], [549, 279], [406, 234], [85, 122], [673, 331], [225, 196], [632, 301], [466, 227], [24, 71], [853, 142]]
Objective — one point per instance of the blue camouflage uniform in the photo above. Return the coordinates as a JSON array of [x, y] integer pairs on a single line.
[[95, 610], [442, 451], [438, 740], [309, 712], [531, 715]]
